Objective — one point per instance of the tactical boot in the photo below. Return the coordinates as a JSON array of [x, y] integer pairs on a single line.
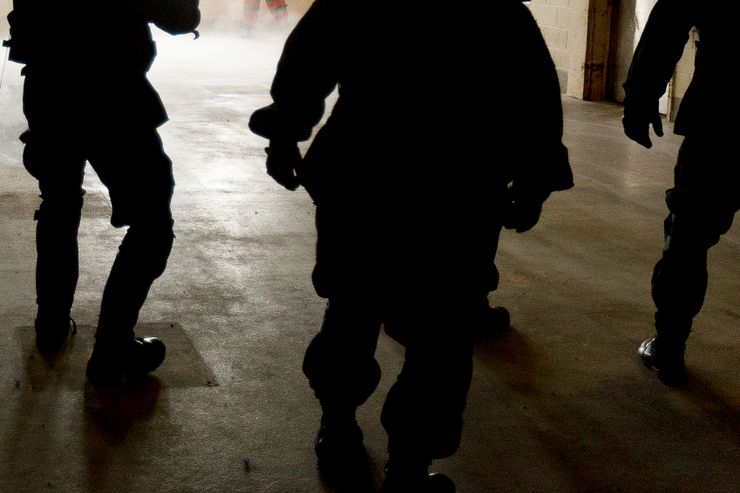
[[405, 478], [493, 320], [666, 359], [342, 457], [115, 364], [498, 318], [51, 336]]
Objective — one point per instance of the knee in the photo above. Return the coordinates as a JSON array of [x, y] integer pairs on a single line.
[[60, 207], [150, 242], [355, 355], [155, 232], [335, 369], [679, 284]]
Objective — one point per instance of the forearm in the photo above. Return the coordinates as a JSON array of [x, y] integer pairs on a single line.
[[658, 51], [172, 16], [20, 26], [306, 75]]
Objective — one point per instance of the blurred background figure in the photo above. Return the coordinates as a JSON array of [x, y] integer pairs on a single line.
[[278, 9]]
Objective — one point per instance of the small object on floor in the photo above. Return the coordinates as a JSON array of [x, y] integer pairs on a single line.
[[245, 460], [666, 360]]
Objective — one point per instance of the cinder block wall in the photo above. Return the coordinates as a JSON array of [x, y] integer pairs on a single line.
[[553, 17], [5, 7]]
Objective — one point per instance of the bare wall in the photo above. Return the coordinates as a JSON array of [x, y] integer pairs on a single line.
[[5, 7], [554, 19]]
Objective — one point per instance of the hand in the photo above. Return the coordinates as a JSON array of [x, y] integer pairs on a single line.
[[524, 210], [282, 162], [173, 16], [637, 124]]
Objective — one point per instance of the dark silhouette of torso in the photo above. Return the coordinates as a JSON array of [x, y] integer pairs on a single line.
[[434, 117], [708, 102]]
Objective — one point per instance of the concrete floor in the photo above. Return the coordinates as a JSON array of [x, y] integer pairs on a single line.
[[560, 403]]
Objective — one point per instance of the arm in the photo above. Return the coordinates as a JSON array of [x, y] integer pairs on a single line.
[[172, 16], [19, 21], [659, 50], [306, 75], [538, 161]]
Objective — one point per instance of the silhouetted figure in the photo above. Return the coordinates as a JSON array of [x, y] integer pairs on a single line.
[[86, 98], [435, 142], [704, 198]]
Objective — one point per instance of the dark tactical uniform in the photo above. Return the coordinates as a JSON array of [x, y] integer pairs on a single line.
[[86, 98], [704, 198], [409, 175]]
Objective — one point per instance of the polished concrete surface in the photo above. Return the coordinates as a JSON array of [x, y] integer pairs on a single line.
[[559, 403]]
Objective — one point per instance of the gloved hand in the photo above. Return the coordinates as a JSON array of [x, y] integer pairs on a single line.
[[172, 16], [637, 120], [283, 159], [524, 209]]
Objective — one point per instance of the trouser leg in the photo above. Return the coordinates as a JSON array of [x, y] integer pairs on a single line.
[[59, 169], [340, 361], [679, 284], [141, 259], [140, 183], [279, 9], [701, 210], [57, 264], [251, 11], [423, 411]]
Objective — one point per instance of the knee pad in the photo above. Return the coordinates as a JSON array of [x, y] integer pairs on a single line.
[[150, 243], [337, 374], [61, 207]]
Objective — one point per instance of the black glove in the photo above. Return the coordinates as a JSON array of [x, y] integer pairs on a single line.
[[172, 16], [637, 120], [524, 209], [283, 159]]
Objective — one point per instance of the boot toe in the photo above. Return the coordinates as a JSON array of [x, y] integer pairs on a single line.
[[342, 458], [113, 364], [430, 483], [666, 361]]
